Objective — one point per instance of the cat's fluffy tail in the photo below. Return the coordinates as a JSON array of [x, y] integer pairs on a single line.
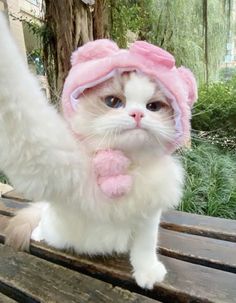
[[19, 230]]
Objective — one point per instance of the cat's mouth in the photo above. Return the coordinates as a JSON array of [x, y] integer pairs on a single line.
[[137, 131], [134, 130]]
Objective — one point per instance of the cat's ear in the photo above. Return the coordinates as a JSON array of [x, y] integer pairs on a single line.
[[94, 50], [191, 84]]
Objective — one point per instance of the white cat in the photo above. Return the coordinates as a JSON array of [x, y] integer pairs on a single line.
[[127, 112]]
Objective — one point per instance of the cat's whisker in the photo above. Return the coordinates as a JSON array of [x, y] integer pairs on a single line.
[[159, 142], [117, 134], [169, 122], [108, 138], [89, 138], [165, 127], [172, 115], [169, 118], [90, 135], [100, 143], [112, 138], [96, 112], [167, 134]]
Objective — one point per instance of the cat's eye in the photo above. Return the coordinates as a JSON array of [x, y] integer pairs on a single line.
[[155, 106], [114, 102]]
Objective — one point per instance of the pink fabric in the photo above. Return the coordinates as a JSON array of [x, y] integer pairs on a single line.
[[111, 170], [98, 60]]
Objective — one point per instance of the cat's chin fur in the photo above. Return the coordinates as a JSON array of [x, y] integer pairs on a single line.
[[45, 162]]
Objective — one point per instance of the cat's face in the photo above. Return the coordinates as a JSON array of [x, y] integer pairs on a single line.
[[126, 112]]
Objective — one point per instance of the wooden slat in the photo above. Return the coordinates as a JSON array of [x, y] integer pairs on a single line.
[[13, 194], [218, 228], [202, 284], [197, 249], [31, 277], [5, 299], [8, 206], [185, 282], [3, 223]]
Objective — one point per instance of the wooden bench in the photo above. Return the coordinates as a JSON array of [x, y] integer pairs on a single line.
[[199, 253]]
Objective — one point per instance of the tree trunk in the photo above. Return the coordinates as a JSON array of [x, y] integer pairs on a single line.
[[101, 19], [69, 24], [205, 25]]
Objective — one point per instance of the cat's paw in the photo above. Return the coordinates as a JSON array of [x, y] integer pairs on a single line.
[[110, 163], [37, 234], [115, 186], [146, 278]]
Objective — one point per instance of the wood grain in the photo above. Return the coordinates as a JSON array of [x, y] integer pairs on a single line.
[[41, 281], [8, 206], [223, 229], [3, 223], [197, 249], [5, 299], [13, 194], [185, 282]]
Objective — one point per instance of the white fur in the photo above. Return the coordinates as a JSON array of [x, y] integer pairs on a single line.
[[43, 160]]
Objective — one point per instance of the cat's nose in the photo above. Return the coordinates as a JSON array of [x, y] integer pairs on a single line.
[[137, 115]]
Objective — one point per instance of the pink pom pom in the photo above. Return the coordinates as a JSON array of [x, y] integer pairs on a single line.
[[115, 186], [110, 163], [110, 167]]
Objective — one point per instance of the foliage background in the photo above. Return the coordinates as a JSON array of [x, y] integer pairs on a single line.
[[177, 26], [210, 187]]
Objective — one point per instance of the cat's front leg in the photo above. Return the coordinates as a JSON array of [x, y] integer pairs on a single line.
[[39, 153], [147, 269]]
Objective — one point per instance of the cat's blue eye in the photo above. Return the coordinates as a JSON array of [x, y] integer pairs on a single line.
[[114, 102], [155, 106]]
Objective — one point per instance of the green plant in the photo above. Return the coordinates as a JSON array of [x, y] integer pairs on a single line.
[[210, 182], [126, 16], [35, 58], [3, 178], [214, 115]]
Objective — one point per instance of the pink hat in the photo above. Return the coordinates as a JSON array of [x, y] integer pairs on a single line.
[[100, 60]]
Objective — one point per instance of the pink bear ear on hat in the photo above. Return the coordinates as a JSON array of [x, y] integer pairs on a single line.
[[154, 53], [191, 84], [94, 50]]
